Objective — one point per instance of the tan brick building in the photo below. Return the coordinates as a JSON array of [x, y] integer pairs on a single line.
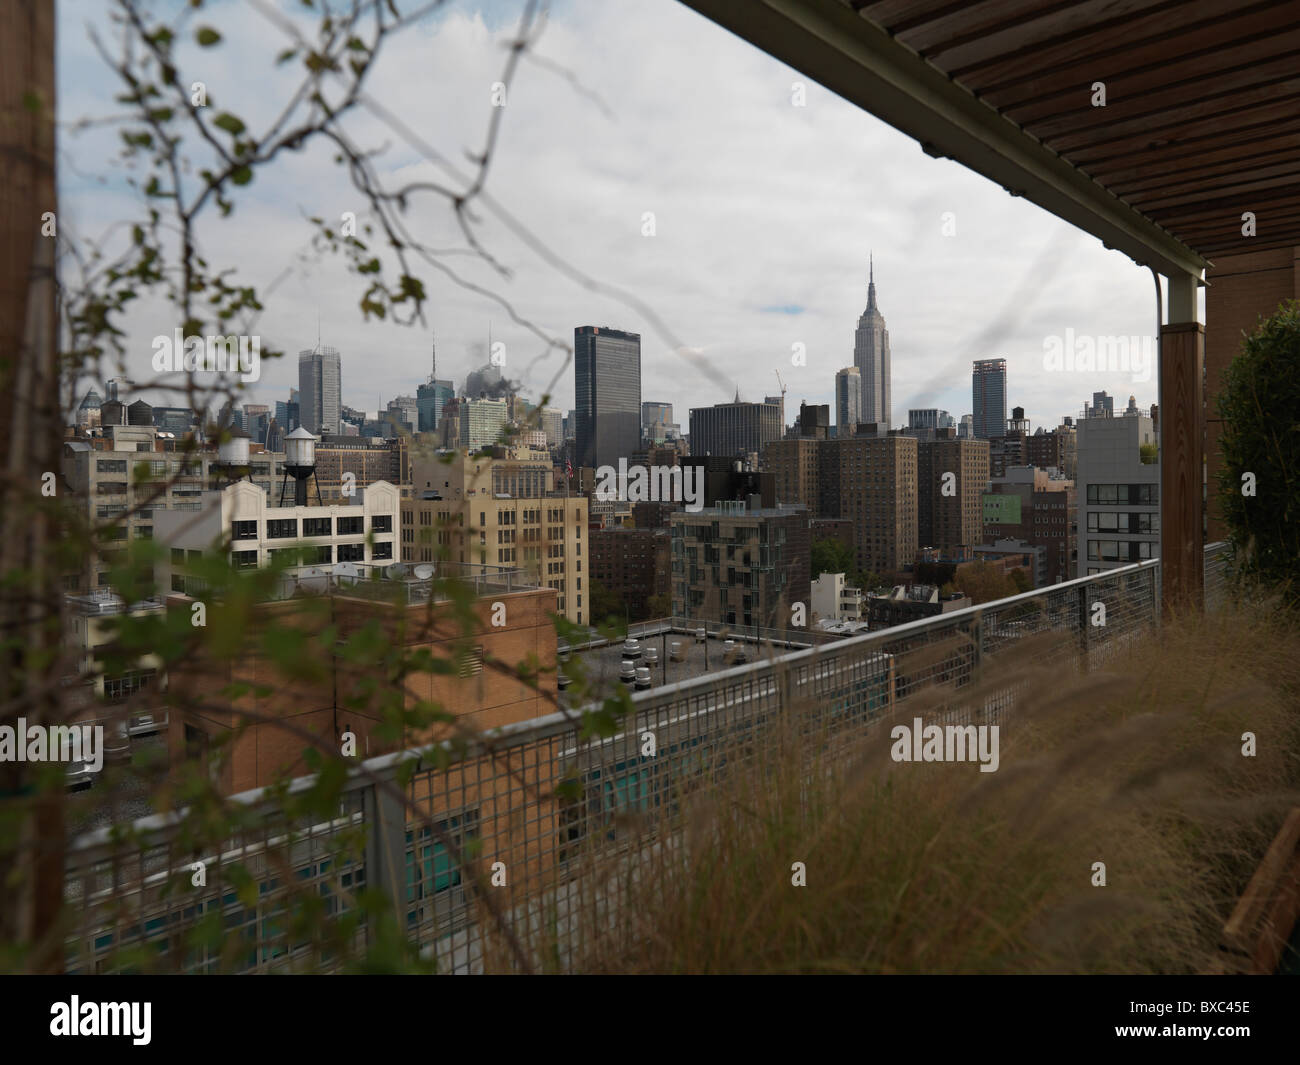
[[499, 507]]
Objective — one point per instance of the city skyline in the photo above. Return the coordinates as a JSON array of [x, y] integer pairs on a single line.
[[737, 297]]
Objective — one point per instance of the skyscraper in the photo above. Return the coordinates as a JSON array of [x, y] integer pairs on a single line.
[[989, 398], [871, 357], [730, 429], [320, 389], [432, 396], [607, 394], [848, 401]]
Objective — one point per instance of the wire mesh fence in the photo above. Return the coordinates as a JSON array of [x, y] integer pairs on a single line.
[[517, 851]]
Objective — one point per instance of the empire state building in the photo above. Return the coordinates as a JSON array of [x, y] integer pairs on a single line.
[[871, 357]]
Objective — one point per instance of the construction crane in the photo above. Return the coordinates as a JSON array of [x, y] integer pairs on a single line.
[[781, 383]]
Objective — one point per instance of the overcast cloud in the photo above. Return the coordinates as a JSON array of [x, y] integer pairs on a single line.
[[765, 215]]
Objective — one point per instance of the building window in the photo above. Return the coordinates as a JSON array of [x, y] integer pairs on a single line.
[[282, 529], [383, 550], [381, 523], [351, 526], [315, 526], [243, 530], [110, 466], [118, 689], [470, 661], [243, 559], [352, 552]]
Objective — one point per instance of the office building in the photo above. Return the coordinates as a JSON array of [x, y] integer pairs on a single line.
[[929, 418], [848, 401], [607, 394], [480, 422], [727, 430], [871, 357], [657, 425], [404, 412], [320, 390], [432, 396], [1102, 406], [286, 415], [989, 398], [551, 422]]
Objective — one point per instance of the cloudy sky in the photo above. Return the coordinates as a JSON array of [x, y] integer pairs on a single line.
[[764, 216]]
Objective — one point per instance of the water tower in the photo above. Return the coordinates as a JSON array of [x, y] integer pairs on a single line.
[[300, 464], [232, 460]]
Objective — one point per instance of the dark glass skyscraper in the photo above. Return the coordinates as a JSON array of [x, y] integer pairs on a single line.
[[607, 394], [989, 398]]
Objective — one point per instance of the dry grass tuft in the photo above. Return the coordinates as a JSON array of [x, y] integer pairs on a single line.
[[936, 867]]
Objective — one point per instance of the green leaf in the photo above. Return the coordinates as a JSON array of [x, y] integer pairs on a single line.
[[207, 36], [242, 175], [230, 123]]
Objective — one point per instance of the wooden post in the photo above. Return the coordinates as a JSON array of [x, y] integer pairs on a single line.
[[1182, 454], [30, 445]]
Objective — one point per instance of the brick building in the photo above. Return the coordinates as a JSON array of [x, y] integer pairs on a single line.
[[634, 564]]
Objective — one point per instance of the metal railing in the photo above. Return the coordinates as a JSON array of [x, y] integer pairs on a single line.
[[552, 820]]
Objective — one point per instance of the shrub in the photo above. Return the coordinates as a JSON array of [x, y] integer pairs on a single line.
[[1259, 487]]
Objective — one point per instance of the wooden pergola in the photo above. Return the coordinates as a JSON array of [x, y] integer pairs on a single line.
[[1195, 152]]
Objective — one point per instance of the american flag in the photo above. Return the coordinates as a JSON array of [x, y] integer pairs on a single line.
[[568, 466]]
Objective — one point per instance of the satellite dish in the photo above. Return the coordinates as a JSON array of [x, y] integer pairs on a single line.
[[284, 588], [314, 580], [423, 571], [395, 572], [347, 572]]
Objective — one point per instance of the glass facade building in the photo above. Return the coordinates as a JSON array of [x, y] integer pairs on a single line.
[[607, 393]]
